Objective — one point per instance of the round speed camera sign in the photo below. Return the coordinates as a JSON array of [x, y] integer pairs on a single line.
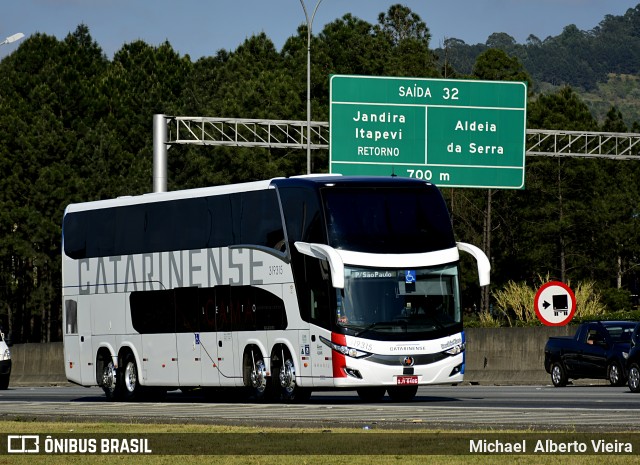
[[555, 304]]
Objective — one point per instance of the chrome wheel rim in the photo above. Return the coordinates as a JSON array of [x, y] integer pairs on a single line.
[[288, 376], [109, 377], [131, 377], [614, 374], [259, 376], [634, 378]]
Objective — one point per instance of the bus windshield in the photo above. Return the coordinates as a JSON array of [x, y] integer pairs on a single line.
[[387, 219], [423, 300]]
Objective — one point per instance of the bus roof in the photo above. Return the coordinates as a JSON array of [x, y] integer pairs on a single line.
[[309, 181], [337, 180]]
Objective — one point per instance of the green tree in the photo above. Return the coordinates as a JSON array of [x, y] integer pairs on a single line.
[[47, 107], [494, 64], [558, 204], [141, 81], [409, 37], [399, 23], [615, 197], [253, 81], [501, 40]]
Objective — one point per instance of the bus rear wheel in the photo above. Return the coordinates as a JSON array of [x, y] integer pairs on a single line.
[[109, 381], [131, 388], [290, 391], [255, 375]]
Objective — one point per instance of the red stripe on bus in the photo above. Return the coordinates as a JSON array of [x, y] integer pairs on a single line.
[[339, 361]]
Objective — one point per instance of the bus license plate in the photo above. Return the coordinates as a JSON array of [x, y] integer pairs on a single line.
[[406, 380]]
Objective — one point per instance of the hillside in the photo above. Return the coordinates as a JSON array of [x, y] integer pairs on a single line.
[[621, 91], [602, 65]]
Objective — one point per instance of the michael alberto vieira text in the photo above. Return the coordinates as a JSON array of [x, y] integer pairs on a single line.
[[550, 446]]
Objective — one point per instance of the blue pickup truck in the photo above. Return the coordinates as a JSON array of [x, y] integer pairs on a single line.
[[598, 350]]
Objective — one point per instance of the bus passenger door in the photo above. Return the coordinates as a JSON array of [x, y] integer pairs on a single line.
[[323, 300], [71, 340], [188, 337], [320, 353]]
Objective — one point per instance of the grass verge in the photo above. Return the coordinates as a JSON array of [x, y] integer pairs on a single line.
[[255, 444]]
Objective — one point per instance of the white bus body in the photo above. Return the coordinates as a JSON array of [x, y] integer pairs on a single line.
[[278, 287]]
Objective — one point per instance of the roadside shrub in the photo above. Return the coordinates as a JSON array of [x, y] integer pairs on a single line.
[[515, 303], [487, 320], [616, 299], [588, 301], [516, 299]]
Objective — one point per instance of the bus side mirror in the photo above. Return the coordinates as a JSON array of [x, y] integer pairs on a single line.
[[325, 252], [484, 267]]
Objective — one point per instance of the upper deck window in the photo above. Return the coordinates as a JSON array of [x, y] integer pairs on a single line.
[[387, 219], [245, 218]]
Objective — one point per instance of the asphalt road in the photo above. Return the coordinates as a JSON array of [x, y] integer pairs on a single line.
[[578, 408]]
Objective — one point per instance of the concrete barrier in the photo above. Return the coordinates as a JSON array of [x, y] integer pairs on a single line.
[[508, 356], [37, 364]]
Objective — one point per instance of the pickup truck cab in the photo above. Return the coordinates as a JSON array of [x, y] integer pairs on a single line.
[[598, 350], [5, 362]]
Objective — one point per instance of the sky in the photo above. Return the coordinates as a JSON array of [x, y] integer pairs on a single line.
[[202, 27]]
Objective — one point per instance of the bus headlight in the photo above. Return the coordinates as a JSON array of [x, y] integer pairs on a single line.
[[345, 350], [6, 355], [455, 350]]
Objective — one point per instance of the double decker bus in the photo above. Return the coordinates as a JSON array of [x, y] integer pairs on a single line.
[[276, 288]]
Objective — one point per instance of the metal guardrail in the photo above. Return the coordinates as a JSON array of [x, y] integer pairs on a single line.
[[292, 134]]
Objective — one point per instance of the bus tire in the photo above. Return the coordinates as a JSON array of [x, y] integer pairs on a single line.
[[402, 393], [289, 389], [109, 381], [255, 375], [4, 382], [130, 383], [371, 394]]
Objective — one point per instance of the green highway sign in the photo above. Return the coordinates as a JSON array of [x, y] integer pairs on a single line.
[[454, 133]]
